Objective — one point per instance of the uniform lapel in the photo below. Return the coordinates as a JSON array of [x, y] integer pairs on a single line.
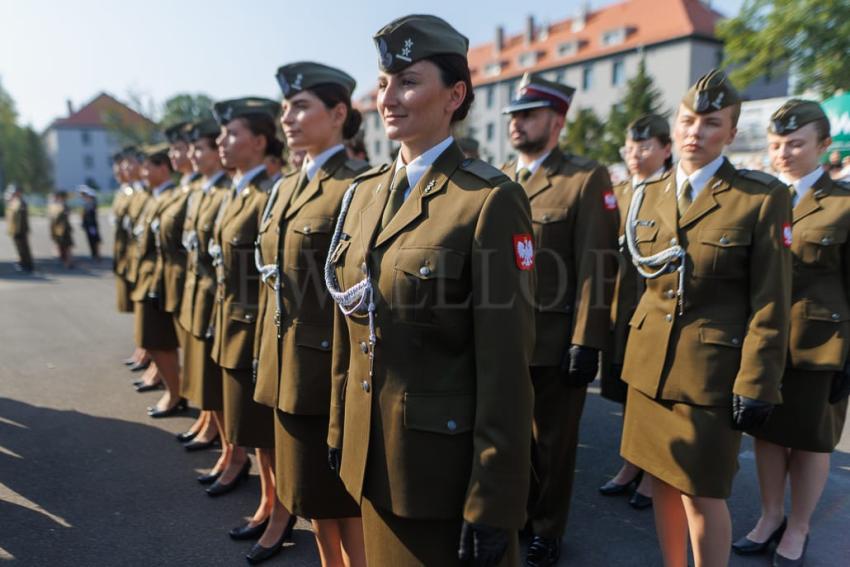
[[666, 205], [432, 182], [315, 186], [539, 182], [370, 216], [810, 202], [707, 201]]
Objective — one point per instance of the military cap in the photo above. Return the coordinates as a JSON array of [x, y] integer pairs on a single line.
[[536, 92], [468, 144], [226, 110], [118, 156], [409, 39], [204, 129], [155, 150], [178, 132], [712, 92], [130, 152], [11, 189], [793, 115], [296, 77], [86, 190], [648, 126]]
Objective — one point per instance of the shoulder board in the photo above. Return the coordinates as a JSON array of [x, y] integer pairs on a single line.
[[484, 170], [377, 170], [580, 161], [356, 165], [843, 185], [759, 176]]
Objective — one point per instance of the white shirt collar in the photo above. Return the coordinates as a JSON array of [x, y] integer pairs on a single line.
[[699, 178], [654, 177], [312, 166], [138, 185], [248, 177], [188, 178], [804, 184], [416, 168], [161, 187], [533, 166], [212, 180]]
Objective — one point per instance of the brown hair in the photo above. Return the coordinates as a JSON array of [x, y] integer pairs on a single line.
[[822, 128], [454, 68], [331, 94], [261, 125]]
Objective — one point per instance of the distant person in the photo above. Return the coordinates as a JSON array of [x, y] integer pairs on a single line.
[[845, 169], [18, 226], [469, 147], [274, 161], [90, 227], [355, 147], [834, 164], [60, 227]]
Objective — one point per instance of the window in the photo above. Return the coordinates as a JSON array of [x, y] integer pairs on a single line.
[[376, 120], [88, 162], [587, 77], [559, 76], [568, 49], [527, 59], [491, 131], [618, 73], [613, 37], [491, 96], [377, 147], [493, 69], [86, 137], [512, 89]]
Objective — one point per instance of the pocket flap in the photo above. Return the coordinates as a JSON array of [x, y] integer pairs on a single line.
[[818, 312], [825, 236], [546, 216], [313, 225], [242, 239], [429, 263], [725, 335], [313, 336], [338, 253], [638, 317], [448, 414], [725, 237], [645, 233], [241, 313]]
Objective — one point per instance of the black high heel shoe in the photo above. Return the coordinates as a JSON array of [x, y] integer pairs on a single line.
[[247, 531], [139, 366], [746, 546], [180, 406], [780, 560], [640, 501], [258, 553], [192, 446], [141, 388], [611, 488], [208, 478], [187, 436], [220, 489]]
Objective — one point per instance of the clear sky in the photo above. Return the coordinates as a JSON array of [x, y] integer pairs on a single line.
[[55, 50]]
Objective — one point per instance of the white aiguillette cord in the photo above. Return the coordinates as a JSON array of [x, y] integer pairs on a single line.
[[662, 260], [269, 271]]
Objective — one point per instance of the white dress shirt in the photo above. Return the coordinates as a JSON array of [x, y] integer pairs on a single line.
[[248, 177], [417, 168], [804, 184], [312, 166], [698, 179], [533, 166]]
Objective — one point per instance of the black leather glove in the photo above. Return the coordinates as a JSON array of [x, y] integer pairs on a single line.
[[334, 459], [484, 546], [748, 413], [840, 387], [579, 365]]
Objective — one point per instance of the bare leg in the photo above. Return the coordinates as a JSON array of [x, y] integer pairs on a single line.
[[772, 467], [626, 474], [279, 515], [645, 486], [168, 363], [353, 547], [151, 375], [208, 429], [226, 447], [710, 528], [671, 524], [203, 420], [329, 542], [263, 511], [808, 471], [238, 456]]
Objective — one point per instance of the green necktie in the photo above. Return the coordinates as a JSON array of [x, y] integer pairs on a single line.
[[302, 183], [523, 174], [685, 198], [396, 199], [793, 191]]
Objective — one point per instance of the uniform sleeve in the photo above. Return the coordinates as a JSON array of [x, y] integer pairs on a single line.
[[503, 327], [595, 261], [766, 342], [339, 375]]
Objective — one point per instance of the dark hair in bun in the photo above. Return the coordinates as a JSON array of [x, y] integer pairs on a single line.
[[331, 94], [261, 124], [455, 68]]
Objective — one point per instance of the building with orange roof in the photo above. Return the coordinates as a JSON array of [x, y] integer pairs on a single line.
[[81, 146], [595, 51]]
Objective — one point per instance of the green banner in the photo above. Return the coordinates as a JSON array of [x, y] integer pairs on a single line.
[[838, 110]]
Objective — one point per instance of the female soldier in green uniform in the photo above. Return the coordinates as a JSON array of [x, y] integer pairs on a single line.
[[432, 262], [801, 433], [60, 227]]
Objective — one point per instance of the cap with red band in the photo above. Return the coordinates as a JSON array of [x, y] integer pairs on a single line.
[[536, 92]]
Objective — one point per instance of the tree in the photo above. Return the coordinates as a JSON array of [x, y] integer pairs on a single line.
[[808, 38], [584, 135], [37, 166], [642, 97], [186, 108], [23, 159]]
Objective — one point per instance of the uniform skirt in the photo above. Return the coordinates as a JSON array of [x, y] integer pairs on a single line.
[[403, 542], [308, 487], [692, 448], [154, 327], [201, 382], [246, 423], [122, 295], [806, 420]]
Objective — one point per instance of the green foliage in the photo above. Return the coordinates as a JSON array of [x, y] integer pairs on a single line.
[[23, 159], [809, 38], [135, 132], [186, 108], [584, 134]]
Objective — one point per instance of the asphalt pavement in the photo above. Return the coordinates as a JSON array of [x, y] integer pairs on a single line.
[[87, 479]]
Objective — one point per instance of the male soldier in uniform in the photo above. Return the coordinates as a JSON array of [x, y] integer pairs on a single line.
[[18, 226], [574, 216]]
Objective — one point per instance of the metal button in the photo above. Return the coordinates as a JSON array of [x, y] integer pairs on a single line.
[[451, 425], [826, 240], [669, 294], [669, 317], [366, 386], [545, 218], [248, 316], [325, 344], [673, 242], [724, 240], [425, 271], [234, 240], [736, 341], [836, 316], [307, 230], [364, 348]]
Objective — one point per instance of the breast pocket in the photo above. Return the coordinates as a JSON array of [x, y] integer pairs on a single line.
[[646, 233], [426, 283], [723, 253], [550, 226], [307, 242], [821, 247]]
